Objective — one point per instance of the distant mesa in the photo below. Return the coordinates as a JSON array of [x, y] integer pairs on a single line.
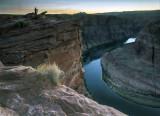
[[81, 13]]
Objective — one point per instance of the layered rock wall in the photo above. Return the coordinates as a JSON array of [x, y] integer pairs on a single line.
[[107, 28], [147, 45], [45, 41]]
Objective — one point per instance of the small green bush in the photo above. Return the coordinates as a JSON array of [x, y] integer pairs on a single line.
[[21, 24], [50, 71]]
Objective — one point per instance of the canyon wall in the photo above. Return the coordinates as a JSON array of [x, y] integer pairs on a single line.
[[133, 70], [44, 41], [107, 28], [23, 91], [147, 45]]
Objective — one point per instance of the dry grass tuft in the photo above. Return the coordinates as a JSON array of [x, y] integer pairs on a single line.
[[50, 71]]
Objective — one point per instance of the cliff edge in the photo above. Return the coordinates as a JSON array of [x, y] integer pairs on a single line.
[[24, 92], [34, 42]]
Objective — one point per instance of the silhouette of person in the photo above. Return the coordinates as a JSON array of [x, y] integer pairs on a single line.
[[36, 11]]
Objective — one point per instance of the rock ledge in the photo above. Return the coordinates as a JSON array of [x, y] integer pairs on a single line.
[[24, 92]]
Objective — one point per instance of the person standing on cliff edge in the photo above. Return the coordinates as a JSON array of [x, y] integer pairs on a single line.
[[36, 11]]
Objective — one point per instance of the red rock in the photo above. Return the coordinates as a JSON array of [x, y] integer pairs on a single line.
[[45, 41]]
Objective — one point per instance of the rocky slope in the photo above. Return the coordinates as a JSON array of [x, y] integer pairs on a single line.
[[26, 93], [33, 42], [133, 70]]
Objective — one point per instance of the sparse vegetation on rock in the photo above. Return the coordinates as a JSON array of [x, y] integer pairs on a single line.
[[25, 93], [45, 40], [50, 71], [21, 24]]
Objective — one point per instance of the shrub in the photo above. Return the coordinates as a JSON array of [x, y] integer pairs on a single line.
[[21, 24], [50, 71]]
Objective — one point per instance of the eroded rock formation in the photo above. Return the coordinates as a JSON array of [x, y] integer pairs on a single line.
[[34, 42], [24, 92], [148, 44], [133, 71]]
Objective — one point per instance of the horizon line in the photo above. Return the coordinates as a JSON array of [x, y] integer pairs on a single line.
[[84, 12]]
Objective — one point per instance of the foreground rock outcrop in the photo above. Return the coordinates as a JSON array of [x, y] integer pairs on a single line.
[[133, 71], [34, 42], [26, 93]]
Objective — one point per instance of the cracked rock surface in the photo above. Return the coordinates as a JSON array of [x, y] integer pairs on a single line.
[[23, 92]]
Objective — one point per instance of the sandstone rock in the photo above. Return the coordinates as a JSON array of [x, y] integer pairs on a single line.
[[45, 41], [147, 45], [133, 70], [1, 65], [96, 35], [7, 112], [24, 92], [104, 29]]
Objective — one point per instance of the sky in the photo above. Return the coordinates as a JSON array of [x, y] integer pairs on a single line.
[[75, 6]]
